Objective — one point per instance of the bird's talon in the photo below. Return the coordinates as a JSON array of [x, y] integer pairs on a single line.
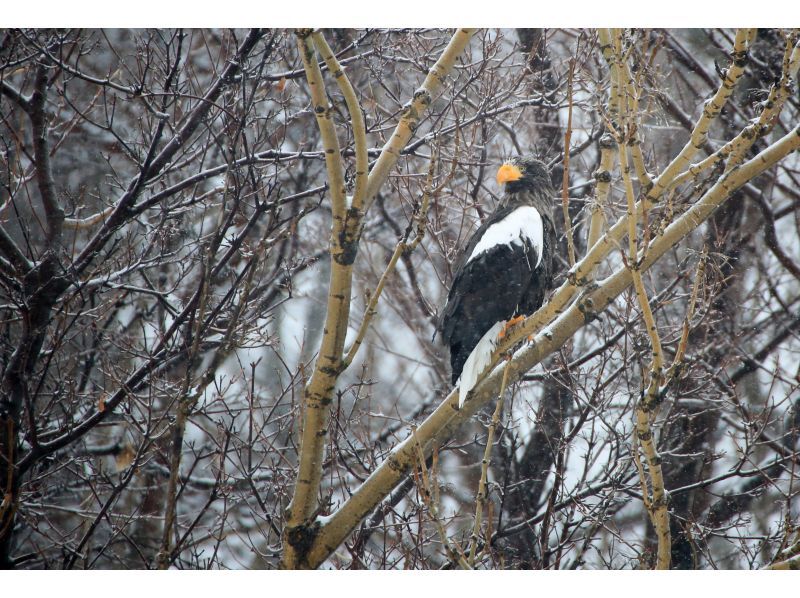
[[509, 325]]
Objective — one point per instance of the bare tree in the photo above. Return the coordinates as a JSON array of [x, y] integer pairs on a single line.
[[223, 255]]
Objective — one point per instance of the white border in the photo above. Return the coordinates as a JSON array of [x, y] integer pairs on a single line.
[[397, 584], [402, 13]]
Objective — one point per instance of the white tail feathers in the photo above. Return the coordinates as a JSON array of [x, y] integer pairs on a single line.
[[477, 361]]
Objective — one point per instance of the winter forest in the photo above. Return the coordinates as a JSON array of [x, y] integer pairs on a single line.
[[224, 255]]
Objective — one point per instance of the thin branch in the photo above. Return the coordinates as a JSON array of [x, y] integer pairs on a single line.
[[414, 111]]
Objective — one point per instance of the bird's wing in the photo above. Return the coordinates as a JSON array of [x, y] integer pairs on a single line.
[[445, 323]]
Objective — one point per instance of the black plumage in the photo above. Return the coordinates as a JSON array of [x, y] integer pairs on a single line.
[[507, 277]]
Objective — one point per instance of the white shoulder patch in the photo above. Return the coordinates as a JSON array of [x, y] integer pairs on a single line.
[[477, 361], [523, 223]]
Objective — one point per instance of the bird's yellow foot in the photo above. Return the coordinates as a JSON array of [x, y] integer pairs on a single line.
[[509, 325]]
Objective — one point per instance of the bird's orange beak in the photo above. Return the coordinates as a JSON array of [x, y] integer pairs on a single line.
[[508, 173]]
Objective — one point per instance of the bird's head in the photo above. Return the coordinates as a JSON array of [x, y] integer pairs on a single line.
[[523, 172], [526, 181]]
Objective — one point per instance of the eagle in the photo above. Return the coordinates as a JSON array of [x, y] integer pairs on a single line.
[[503, 272]]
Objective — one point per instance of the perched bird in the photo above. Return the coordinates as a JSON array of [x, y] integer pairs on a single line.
[[504, 271]]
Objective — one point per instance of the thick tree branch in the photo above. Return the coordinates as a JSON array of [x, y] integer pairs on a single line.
[[317, 396]]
